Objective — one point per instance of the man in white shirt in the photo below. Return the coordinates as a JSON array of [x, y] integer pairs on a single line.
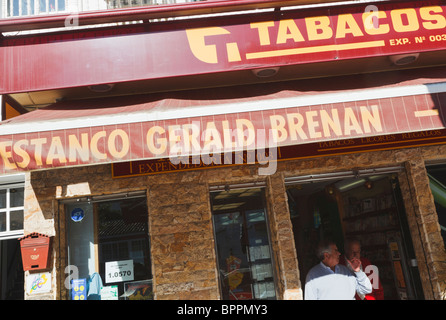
[[329, 280]]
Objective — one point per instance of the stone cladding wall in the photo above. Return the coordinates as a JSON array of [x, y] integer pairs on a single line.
[[182, 240]]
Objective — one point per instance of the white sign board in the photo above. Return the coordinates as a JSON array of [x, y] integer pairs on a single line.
[[118, 271], [38, 283]]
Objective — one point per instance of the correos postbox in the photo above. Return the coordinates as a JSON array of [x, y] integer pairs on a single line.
[[35, 251]]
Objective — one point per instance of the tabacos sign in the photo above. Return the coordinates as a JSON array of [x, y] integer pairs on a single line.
[[214, 45], [295, 37]]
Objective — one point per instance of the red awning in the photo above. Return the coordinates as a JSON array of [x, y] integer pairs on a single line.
[[127, 128]]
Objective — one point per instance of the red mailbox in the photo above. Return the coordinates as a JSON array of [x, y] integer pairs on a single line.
[[35, 251]]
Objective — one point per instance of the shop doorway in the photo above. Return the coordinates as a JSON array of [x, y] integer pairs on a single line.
[[109, 248], [244, 259], [11, 229], [364, 207], [11, 271]]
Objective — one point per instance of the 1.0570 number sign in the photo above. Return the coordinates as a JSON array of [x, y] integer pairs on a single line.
[[120, 274], [119, 271]]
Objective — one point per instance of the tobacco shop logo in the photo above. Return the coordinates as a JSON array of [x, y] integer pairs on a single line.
[[372, 29], [318, 28]]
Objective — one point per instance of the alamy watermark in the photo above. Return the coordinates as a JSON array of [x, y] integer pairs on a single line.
[[235, 146]]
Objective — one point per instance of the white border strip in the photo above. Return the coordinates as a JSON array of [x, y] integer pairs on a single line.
[[220, 109]]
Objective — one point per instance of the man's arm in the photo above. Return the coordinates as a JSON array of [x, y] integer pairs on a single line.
[[363, 284]]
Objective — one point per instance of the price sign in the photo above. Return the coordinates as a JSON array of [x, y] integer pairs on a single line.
[[118, 271]]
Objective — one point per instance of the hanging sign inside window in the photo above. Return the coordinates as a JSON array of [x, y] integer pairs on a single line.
[[118, 271]]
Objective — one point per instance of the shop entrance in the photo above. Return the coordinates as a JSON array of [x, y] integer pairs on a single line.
[[359, 206], [11, 229], [11, 271]]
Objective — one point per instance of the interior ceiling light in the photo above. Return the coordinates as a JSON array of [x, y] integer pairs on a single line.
[[368, 185], [101, 87], [404, 59], [265, 72]]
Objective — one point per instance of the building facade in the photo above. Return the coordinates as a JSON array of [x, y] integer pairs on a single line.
[[20, 8], [212, 172]]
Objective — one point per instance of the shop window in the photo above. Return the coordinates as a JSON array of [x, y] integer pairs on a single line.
[[367, 208], [244, 257], [16, 8], [11, 211], [111, 239], [437, 182]]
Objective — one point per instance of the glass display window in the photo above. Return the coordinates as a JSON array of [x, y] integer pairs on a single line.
[[108, 244], [244, 257]]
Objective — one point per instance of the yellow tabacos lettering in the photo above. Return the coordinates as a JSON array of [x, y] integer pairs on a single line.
[[308, 32], [343, 25]]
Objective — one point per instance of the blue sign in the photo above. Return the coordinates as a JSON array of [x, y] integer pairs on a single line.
[[77, 214], [79, 289]]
